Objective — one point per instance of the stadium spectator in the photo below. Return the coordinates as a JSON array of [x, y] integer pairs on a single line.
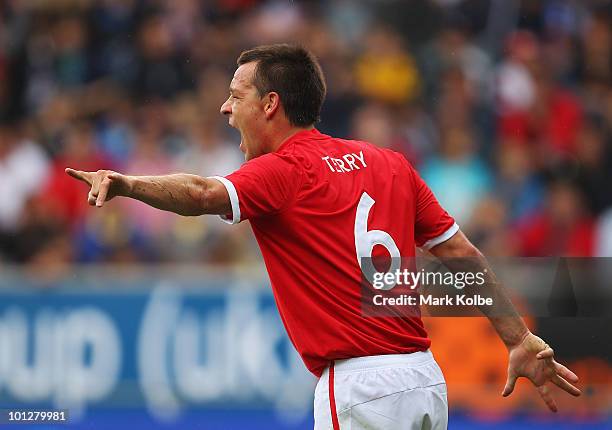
[[93, 65], [564, 227], [23, 167], [457, 176]]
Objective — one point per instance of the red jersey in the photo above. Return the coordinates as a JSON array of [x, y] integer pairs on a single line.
[[314, 205]]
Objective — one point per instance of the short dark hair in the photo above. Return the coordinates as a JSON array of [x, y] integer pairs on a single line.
[[292, 72]]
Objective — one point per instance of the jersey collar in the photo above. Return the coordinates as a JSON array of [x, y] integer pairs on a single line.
[[299, 135]]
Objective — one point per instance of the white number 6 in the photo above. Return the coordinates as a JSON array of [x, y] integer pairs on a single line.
[[366, 240]]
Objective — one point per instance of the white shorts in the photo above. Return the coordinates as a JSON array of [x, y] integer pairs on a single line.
[[382, 392]]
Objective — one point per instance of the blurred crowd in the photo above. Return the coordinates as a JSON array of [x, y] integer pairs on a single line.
[[504, 107]]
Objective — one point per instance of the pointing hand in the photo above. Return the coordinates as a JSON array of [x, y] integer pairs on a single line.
[[105, 184]]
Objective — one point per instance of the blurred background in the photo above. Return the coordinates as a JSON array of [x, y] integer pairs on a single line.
[[134, 318]]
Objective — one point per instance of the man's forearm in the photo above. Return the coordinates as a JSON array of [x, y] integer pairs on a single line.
[[503, 315], [180, 193], [458, 254]]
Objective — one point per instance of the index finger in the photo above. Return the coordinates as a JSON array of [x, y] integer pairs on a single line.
[[80, 175]]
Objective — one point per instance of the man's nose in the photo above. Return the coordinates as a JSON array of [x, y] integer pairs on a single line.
[[226, 108]]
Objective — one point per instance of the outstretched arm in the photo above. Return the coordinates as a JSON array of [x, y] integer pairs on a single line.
[[181, 193], [529, 356]]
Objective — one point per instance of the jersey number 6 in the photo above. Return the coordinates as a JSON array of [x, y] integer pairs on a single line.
[[365, 240]]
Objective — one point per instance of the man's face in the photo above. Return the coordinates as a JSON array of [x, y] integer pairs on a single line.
[[245, 110]]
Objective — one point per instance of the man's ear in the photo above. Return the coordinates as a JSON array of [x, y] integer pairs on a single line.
[[271, 104]]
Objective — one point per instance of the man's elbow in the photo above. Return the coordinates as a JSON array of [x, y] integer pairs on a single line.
[[198, 198], [213, 198]]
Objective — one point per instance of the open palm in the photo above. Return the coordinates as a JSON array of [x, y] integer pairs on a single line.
[[534, 360]]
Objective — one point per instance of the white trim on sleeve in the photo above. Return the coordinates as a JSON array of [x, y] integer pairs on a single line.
[[233, 195], [442, 238]]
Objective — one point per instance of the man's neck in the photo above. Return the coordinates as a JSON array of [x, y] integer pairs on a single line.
[[280, 137]]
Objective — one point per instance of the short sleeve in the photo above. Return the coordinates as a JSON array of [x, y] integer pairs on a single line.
[[433, 225], [262, 186]]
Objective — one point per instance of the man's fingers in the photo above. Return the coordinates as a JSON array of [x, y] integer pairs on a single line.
[[565, 386], [565, 373], [510, 383], [100, 183], [102, 192], [547, 353], [545, 395], [77, 174], [86, 177]]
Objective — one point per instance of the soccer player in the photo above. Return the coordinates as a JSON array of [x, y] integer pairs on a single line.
[[318, 205]]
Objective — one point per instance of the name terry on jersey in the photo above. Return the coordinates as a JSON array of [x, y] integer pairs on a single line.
[[347, 163]]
